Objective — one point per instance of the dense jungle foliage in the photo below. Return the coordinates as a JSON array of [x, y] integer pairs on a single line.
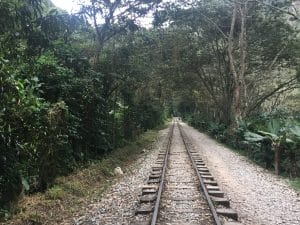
[[243, 59], [64, 100], [75, 86]]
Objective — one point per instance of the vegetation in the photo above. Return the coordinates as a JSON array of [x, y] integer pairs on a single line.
[[270, 140], [70, 194], [75, 87], [234, 67], [63, 100], [296, 184]]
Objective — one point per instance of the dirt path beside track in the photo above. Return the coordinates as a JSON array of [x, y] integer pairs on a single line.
[[260, 197]]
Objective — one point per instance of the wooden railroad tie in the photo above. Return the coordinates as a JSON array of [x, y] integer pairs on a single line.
[[144, 210], [216, 193], [221, 201], [228, 212]]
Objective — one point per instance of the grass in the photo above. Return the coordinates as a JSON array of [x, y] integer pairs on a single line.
[[71, 194], [55, 193], [295, 183]]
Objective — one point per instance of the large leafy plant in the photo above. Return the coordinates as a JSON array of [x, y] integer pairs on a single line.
[[283, 136]]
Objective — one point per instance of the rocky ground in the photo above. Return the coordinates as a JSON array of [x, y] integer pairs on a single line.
[[118, 204], [182, 202], [260, 197]]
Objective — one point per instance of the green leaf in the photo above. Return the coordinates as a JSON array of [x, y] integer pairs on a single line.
[[253, 137], [295, 130], [271, 135], [36, 79], [25, 184], [274, 126], [294, 133], [289, 140]]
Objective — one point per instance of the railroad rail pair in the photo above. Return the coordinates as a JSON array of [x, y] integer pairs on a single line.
[[150, 201]]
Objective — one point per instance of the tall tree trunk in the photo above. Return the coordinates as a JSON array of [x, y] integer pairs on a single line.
[[234, 114], [293, 162], [238, 75], [277, 157], [243, 55], [114, 130]]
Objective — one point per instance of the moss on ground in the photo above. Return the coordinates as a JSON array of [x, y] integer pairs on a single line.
[[70, 195]]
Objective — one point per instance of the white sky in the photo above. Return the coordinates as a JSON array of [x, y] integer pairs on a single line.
[[68, 5], [71, 7]]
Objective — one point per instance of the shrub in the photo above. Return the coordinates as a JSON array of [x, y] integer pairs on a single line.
[[55, 193]]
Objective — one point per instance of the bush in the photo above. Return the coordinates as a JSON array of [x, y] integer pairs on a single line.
[[261, 150], [56, 192]]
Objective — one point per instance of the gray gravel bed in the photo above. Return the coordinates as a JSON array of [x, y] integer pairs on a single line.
[[260, 197], [118, 204], [182, 202]]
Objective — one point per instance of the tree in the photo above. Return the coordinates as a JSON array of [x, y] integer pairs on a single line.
[[240, 104], [115, 17], [231, 51]]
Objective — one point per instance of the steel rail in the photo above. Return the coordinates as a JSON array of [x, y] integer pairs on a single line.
[[161, 186], [203, 187]]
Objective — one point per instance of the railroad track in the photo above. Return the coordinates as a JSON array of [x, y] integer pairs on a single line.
[[180, 189]]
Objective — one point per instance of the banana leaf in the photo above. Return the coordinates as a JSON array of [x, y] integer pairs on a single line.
[[268, 134], [253, 137]]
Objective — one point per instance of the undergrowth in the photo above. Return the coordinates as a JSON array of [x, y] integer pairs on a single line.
[[258, 140], [296, 184], [70, 194]]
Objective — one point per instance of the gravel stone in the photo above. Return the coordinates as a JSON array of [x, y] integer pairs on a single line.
[[118, 204], [182, 202], [259, 197]]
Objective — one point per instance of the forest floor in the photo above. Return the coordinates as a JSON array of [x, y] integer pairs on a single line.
[[71, 195]]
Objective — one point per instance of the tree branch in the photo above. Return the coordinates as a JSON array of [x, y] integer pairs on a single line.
[[207, 86], [215, 25], [278, 9], [267, 95]]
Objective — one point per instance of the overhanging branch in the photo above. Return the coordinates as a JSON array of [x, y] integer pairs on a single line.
[[280, 88]]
